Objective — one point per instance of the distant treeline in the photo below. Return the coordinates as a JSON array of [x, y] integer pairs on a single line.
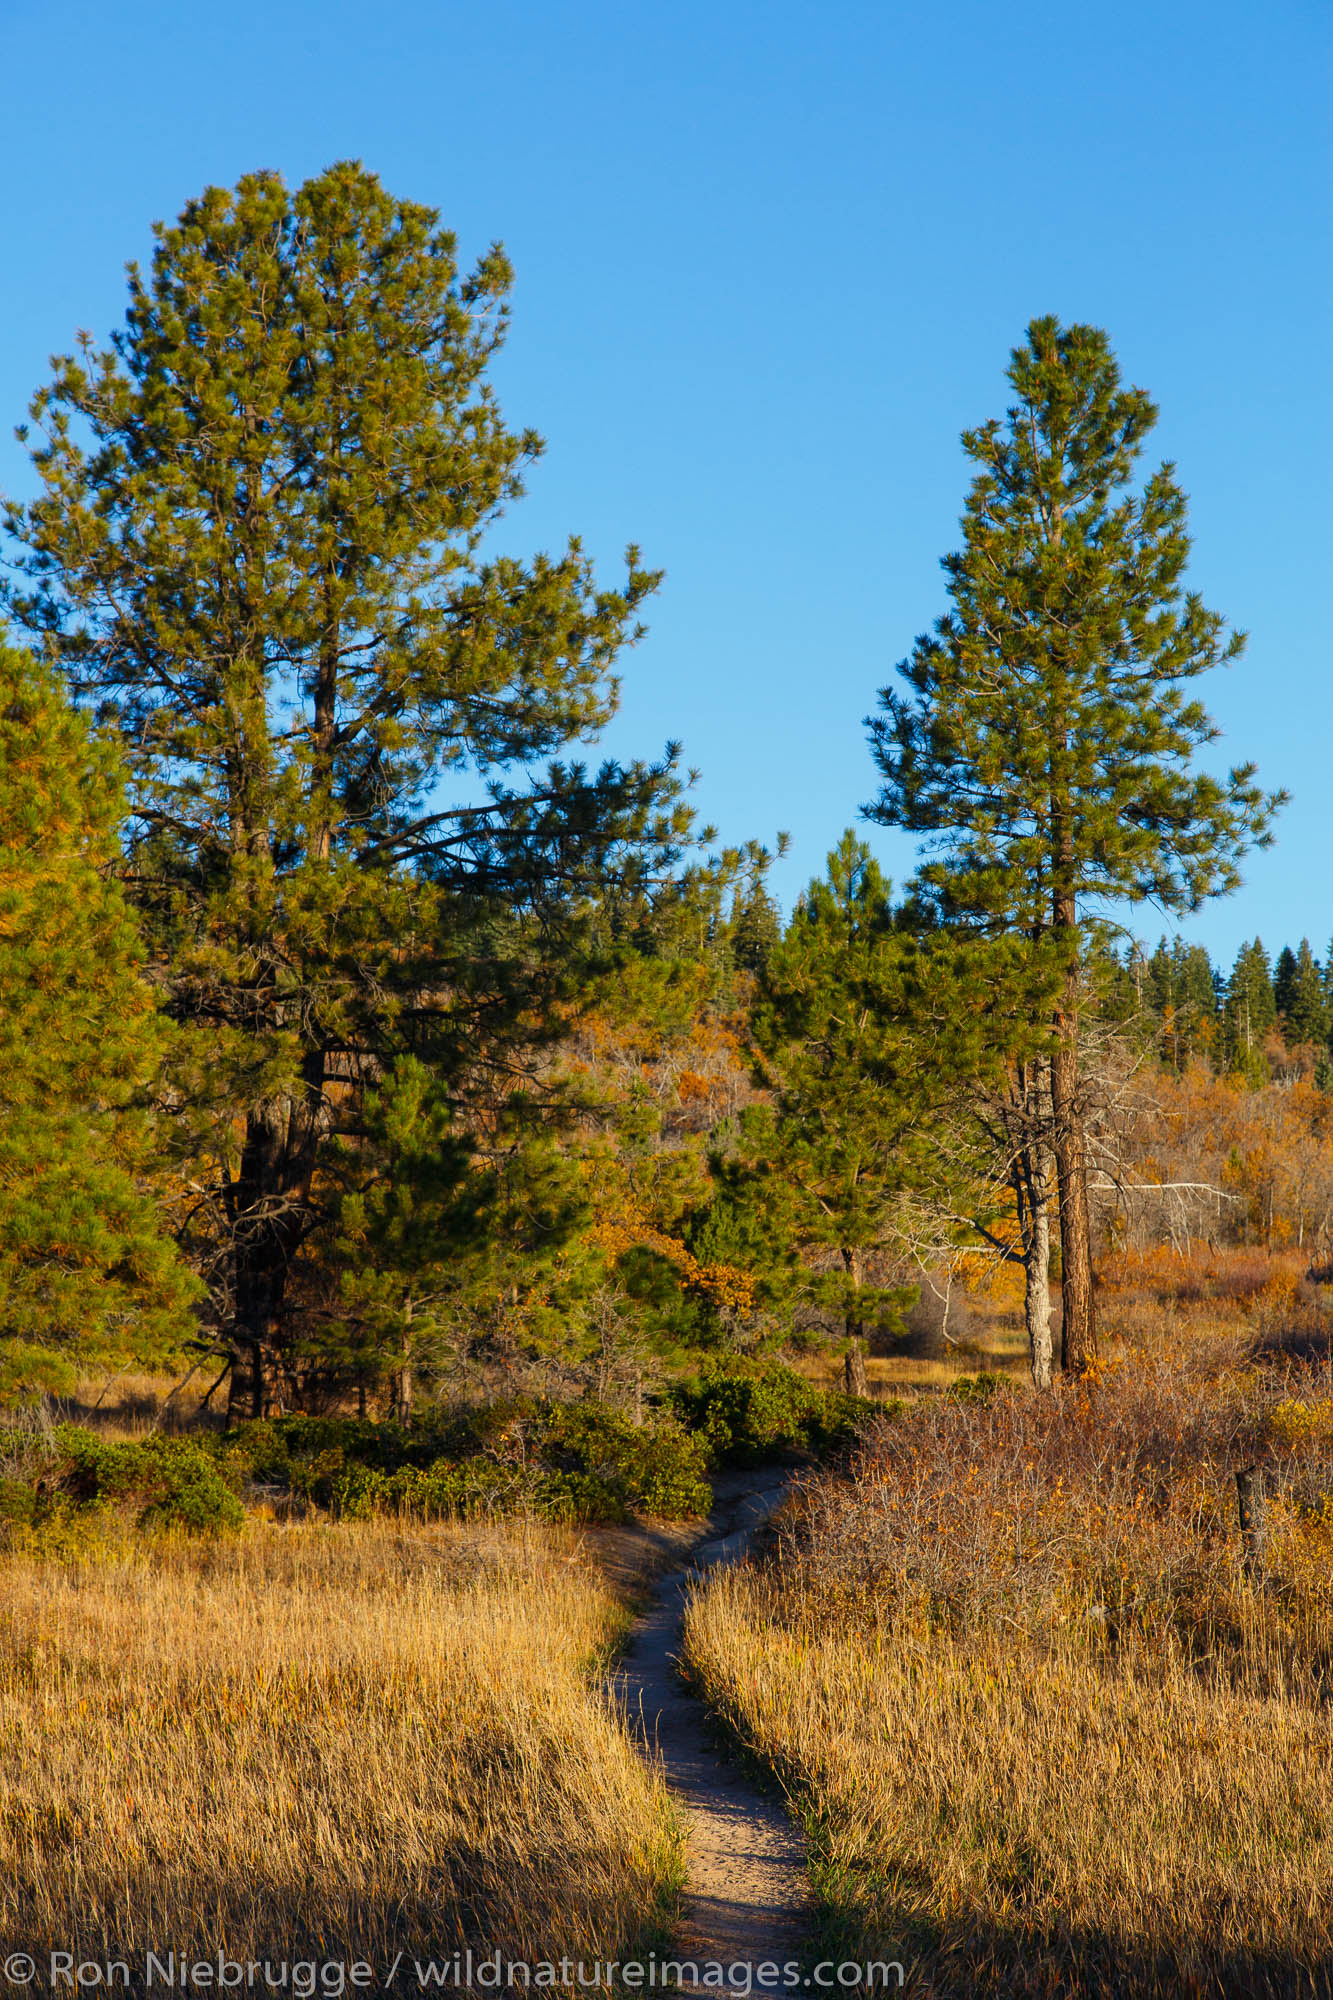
[[1232, 1018]]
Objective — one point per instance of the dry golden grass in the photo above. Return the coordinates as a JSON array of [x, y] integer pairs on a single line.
[[329, 1742], [1023, 1820], [1001, 1351], [1048, 1735], [125, 1402]]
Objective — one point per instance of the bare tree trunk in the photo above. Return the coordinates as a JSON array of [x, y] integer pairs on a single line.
[[1078, 1339], [1030, 1174], [1037, 1267]]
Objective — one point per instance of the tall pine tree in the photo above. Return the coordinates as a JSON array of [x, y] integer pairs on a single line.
[[1043, 741], [261, 548], [1298, 990]]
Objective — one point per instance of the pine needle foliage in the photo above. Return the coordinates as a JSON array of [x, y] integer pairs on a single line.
[[85, 1259], [1043, 738], [262, 549], [870, 1040]]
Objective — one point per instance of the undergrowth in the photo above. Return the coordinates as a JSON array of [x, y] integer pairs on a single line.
[[555, 1462]]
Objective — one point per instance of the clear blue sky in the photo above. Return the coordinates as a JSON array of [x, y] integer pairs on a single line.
[[770, 260]]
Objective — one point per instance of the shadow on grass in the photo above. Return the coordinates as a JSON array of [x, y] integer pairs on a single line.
[[863, 1918], [546, 1914]]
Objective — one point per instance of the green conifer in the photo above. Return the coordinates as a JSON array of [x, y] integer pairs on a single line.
[[870, 1040], [85, 1261], [1249, 1012], [1298, 991], [263, 547], [1043, 744]]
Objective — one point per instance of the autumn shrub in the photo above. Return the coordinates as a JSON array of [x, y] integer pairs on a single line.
[[167, 1482], [1107, 1516]]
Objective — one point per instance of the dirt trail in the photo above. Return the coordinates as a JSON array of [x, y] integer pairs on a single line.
[[745, 1887]]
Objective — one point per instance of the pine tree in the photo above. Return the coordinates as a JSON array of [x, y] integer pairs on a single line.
[[869, 1040], [1181, 989], [1249, 1012], [1160, 981], [428, 1219], [268, 568], [1198, 990], [1044, 741], [1298, 991], [85, 1259], [756, 927]]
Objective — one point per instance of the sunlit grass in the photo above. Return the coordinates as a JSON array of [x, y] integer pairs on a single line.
[[1011, 1818], [1049, 1733], [340, 1741]]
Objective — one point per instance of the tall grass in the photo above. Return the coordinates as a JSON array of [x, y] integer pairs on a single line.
[[336, 1743], [1005, 1818], [1049, 1736]]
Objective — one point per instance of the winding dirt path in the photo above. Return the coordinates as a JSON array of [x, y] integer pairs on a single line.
[[745, 1888]]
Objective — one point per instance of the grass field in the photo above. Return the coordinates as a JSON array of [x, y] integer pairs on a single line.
[[334, 1743], [1048, 1735]]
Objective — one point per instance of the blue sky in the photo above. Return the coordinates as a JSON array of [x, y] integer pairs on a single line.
[[770, 260]]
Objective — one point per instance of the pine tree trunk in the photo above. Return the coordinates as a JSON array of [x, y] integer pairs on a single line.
[[403, 1383], [854, 1370], [1078, 1340], [258, 1384], [236, 1384], [854, 1366], [1035, 1210], [270, 1206]]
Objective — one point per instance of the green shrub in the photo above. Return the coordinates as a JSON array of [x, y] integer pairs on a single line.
[[981, 1388], [653, 1468], [169, 1481], [446, 1490], [748, 1411], [18, 1502], [563, 1462]]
